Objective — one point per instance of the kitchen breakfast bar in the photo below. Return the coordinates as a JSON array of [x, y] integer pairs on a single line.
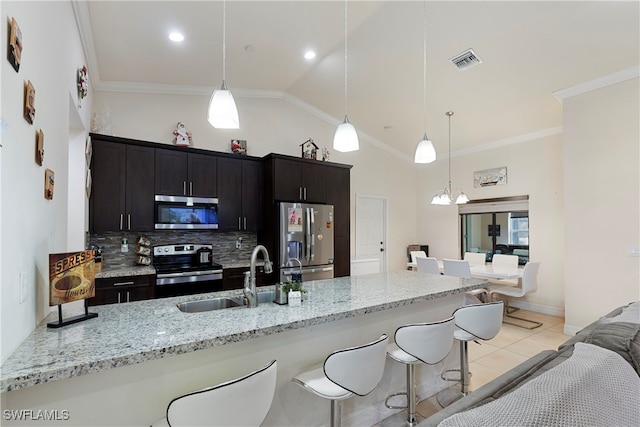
[[123, 367]]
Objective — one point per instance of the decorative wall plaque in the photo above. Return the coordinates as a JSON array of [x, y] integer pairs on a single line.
[[490, 177]]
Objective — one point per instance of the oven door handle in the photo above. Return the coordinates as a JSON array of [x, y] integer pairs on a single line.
[[187, 273]]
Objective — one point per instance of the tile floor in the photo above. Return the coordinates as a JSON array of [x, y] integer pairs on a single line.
[[512, 346]]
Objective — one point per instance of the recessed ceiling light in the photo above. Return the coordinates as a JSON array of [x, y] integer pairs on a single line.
[[309, 54], [176, 37]]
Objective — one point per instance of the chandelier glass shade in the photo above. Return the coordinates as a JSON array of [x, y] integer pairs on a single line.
[[444, 196]]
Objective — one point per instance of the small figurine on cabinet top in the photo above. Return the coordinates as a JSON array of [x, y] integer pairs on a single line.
[[239, 146], [183, 136], [309, 149], [325, 154]]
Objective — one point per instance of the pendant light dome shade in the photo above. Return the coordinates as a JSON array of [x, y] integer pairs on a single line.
[[346, 138], [222, 113], [425, 152]]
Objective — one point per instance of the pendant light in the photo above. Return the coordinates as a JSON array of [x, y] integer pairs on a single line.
[[222, 113], [443, 197], [346, 138], [425, 153]]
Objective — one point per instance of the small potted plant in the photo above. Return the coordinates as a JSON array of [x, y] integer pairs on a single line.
[[285, 289]]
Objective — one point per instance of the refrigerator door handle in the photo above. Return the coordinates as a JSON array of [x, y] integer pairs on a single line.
[[308, 234], [312, 220]]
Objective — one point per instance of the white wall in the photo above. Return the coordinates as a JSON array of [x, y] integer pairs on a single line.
[[278, 126], [602, 187], [31, 226], [534, 168]]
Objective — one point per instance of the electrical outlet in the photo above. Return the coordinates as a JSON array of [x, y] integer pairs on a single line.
[[23, 287]]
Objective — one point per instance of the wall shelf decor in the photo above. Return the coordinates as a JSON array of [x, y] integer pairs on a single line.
[[490, 177], [14, 52], [39, 147], [29, 102], [49, 181]]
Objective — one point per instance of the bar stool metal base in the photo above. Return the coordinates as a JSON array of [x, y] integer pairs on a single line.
[[400, 419], [412, 398], [449, 395]]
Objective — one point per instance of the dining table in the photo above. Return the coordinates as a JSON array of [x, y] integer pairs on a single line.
[[485, 271]]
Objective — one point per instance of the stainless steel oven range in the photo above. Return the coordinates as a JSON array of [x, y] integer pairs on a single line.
[[186, 269]]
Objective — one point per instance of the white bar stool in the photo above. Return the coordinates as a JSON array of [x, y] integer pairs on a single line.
[[355, 370], [475, 321], [241, 402], [418, 343]]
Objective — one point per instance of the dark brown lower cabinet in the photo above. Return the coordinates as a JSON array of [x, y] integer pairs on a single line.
[[233, 278], [115, 290]]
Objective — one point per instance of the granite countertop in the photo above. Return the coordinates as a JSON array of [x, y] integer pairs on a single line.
[[126, 334]]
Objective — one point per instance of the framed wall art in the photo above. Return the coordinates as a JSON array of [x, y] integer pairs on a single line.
[[14, 52], [49, 181], [83, 82], [490, 177], [39, 147], [29, 102]]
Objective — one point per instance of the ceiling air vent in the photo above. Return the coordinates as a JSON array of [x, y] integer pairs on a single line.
[[465, 60]]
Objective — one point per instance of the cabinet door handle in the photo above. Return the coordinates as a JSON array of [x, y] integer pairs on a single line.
[[184, 188], [245, 222], [124, 283], [300, 193], [129, 222], [119, 299], [128, 296], [191, 188], [239, 226], [121, 220], [305, 193]]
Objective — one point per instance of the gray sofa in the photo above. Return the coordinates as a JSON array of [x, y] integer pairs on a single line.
[[618, 331]]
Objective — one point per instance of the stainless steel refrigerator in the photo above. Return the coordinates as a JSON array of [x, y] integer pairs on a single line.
[[305, 241]]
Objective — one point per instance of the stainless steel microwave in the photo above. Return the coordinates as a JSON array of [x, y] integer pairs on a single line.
[[185, 213]]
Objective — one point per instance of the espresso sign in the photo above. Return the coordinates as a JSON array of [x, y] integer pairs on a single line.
[[71, 277]]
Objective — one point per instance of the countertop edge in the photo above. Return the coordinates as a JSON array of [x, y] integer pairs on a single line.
[[46, 376]]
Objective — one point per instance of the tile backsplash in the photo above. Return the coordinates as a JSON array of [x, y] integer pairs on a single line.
[[224, 244]]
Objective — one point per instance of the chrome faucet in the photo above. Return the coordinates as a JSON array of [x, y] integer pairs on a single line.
[[249, 290], [299, 268]]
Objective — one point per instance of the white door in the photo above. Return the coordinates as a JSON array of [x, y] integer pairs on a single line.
[[371, 229]]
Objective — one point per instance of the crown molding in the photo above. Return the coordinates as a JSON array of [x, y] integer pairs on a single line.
[[518, 139], [599, 83]]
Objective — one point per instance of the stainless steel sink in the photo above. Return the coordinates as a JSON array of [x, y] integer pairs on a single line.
[[222, 303]]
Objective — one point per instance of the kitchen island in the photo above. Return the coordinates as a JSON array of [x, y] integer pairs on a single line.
[[123, 367]]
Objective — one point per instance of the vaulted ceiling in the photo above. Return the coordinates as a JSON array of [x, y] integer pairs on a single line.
[[529, 51]]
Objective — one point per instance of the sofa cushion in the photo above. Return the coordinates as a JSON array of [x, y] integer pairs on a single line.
[[595, 386], [630, 314], [620, 337]]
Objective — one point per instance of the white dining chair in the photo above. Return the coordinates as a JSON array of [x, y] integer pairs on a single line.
[[529, 285], [461, 268], [417, 254], [226, 404], [505, 262], [475, 258], [456, 267], [428, 265]]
